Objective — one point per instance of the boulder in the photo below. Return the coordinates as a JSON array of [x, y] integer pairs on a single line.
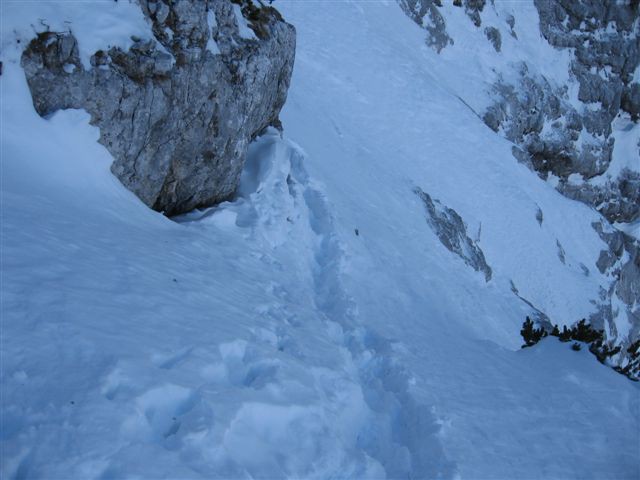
[[176, 111]]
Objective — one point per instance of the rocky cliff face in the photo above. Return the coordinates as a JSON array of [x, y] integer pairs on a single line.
[[176, 111], [565, 129], [559, 138], [557, 134]]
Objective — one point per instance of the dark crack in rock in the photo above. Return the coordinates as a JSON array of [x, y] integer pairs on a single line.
[[177, 111], [452, 232]]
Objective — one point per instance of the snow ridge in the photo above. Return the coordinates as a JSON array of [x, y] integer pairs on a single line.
[[400, 434], [403, 436]]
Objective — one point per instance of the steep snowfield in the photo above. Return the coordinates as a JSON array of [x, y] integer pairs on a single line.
[[265, 338]]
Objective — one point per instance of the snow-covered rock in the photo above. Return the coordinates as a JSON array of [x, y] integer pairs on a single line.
[[176, 116]]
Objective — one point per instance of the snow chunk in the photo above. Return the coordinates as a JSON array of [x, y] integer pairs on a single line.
[[575, 179], [243, 27], [212, 46]]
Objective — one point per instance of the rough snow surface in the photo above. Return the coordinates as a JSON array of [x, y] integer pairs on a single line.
[[265, 338]]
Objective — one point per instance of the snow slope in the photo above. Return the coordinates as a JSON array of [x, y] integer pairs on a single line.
[[264, 338]]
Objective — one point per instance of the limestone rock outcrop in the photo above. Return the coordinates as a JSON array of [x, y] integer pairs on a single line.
[[562, 138], [176, 111]]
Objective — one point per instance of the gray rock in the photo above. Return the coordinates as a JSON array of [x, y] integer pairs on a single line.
[[604, 64], [618, 200], [176, 116], [549, 130], [561, 252], [426, 14], [493, 35], [521, 113], [585, 269], [539, 216], [630, 101], [473, 8], [511, 21], [452, 232], [621, 262]]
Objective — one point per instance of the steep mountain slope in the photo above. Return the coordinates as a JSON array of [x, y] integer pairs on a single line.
[[559, 80], [317, 325]]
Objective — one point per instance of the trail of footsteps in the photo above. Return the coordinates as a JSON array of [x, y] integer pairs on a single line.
[[404, 436]]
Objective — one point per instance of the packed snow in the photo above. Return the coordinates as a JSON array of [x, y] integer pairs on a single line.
[[315, 326]]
